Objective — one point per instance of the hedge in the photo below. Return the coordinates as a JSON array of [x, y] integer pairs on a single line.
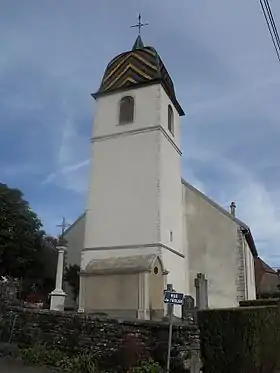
[[240, 340]]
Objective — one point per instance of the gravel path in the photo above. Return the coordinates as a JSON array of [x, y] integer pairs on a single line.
[[11, 366]]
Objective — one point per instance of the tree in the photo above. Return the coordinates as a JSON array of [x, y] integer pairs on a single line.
[[72, 277], [22, 239]]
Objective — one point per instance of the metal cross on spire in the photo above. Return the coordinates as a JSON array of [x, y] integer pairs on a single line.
[[139, 24], [63, 226]]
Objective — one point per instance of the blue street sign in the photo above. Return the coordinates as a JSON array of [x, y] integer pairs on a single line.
[[173, 298]]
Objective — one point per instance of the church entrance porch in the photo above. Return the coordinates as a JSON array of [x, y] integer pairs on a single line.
[[129, 287]]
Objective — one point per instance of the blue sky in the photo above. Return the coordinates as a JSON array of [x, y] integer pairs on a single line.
[[226, 75]]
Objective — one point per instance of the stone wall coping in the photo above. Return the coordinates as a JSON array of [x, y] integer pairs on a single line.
[[177, 323]]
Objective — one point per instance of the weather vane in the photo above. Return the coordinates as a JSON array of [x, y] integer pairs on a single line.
[[139, 24]]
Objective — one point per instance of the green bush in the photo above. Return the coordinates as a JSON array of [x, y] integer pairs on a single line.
[[4, 329], [78, 364], [35, 355], [148, 367], [243, 340], [41, 354]]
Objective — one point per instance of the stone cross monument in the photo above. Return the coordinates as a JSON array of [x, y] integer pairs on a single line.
[[58, 295]]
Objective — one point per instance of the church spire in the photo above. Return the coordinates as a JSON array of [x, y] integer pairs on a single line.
[[139, 43]]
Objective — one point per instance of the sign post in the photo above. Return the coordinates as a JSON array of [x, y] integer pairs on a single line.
[[171, 298], [169, 338]]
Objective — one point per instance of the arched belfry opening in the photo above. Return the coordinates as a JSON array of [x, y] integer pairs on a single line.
[[126, 110], [170, 119]]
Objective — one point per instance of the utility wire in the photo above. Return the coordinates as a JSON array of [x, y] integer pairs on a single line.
[[267, 12], [271, 26]]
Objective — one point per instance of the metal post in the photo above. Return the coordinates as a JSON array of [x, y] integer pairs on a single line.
[[169, 338], [170, 310], [12, 328]]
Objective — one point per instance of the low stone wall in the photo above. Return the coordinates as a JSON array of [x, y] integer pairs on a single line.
[[112, 341], [260, 302]]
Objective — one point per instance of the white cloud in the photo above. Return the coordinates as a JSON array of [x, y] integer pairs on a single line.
[[245, 92], [257, 204], [258, 207], [65, 171], [71, 156]]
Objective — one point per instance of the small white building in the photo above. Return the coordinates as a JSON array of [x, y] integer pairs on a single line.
[[144, 226]]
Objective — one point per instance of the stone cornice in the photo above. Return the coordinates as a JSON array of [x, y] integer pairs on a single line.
[[136, 132], [126, 247]]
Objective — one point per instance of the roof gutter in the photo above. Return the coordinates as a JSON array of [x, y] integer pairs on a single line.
[[249, 238]]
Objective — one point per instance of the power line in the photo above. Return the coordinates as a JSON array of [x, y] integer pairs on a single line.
[[268, 15], [269, 11]]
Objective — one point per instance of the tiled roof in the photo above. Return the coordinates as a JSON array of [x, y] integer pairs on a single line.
[[137, 67], [261, 268], [136, 263]]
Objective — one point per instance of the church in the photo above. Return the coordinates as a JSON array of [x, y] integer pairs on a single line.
[[145, 226]]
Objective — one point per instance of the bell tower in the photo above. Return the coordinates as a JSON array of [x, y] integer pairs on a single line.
[[134, 203]]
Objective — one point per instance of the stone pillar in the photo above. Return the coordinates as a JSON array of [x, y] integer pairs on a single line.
[[201, 287], [170, 307], [143, 312], [58, 295], [81, 308], [147, 277], [165, 305]]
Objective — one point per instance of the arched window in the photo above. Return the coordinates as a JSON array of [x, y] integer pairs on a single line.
[[126, 114], [170, 120]]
